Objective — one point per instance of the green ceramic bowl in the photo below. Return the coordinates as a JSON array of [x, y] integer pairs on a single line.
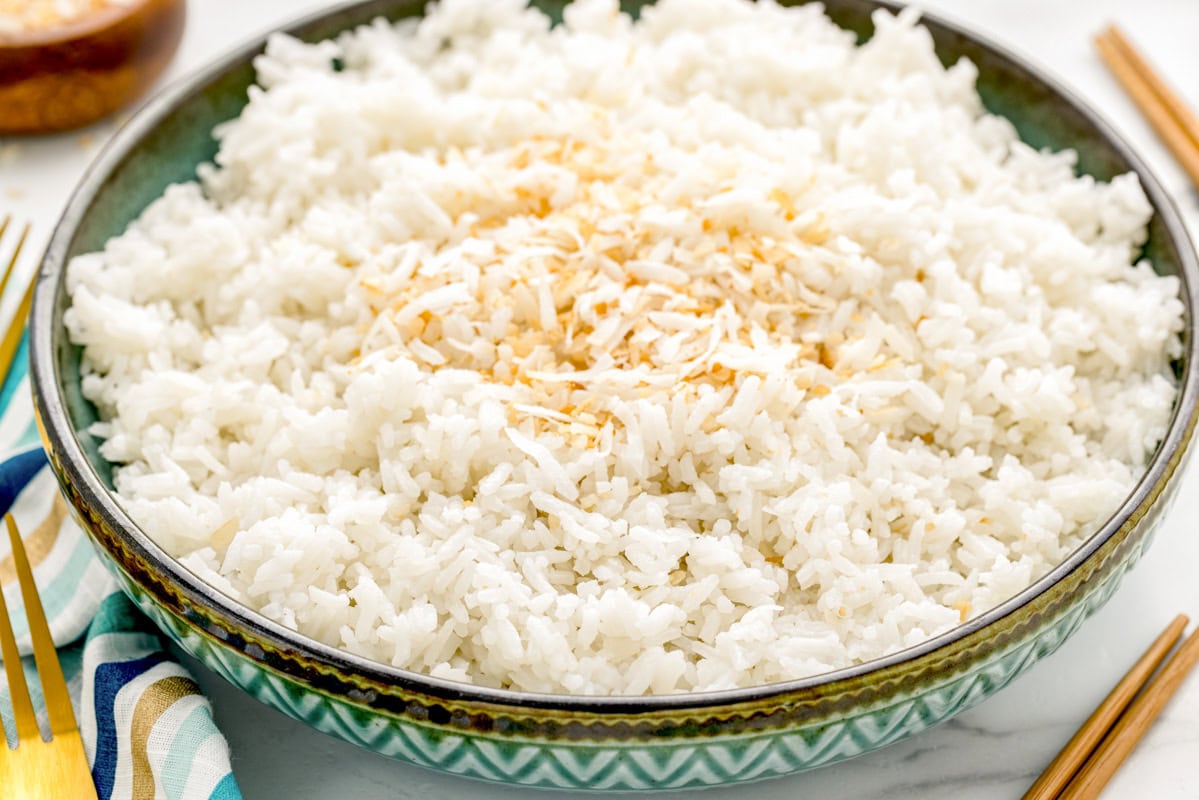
[[586, 742]]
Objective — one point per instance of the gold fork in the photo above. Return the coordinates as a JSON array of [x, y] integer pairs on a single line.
[[39, 769], [36, 768]]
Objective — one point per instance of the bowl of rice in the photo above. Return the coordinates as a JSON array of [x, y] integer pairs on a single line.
[[586, 398]]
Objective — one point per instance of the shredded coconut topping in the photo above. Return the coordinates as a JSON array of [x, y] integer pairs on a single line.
[[588, 272]]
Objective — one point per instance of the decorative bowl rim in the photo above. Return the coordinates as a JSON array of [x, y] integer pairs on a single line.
[[63, 438]]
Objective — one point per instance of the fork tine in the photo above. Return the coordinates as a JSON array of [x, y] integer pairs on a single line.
[[12, 262], [16, 326], [54, 686], [22, 707]]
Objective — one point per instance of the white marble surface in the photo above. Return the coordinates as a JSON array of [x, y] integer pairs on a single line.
[[993, 751]]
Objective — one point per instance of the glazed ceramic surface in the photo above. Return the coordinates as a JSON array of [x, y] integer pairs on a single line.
[[579, 742]]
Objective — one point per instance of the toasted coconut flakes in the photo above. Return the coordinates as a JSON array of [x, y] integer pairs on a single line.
[[223, 536]]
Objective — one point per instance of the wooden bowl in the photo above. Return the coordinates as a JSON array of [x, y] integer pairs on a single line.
[[70, 75]]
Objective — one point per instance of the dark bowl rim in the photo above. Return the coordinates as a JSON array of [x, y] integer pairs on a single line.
[[44, 375]]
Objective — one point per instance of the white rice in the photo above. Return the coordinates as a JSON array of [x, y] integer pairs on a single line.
[[701, 352]]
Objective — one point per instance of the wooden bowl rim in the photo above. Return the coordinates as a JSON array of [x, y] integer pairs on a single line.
[[83, 27]]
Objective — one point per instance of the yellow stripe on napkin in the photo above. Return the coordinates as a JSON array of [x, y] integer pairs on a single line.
[[39, 544]]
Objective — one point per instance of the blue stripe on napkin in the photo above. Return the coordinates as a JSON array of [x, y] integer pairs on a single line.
[[110, 679], [15, 475]]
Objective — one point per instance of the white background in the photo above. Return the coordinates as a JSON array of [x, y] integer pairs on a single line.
[[994, 751]]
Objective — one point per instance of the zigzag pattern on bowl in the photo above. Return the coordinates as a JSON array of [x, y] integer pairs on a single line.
[[673, 764]]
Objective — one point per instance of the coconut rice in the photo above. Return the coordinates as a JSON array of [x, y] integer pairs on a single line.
[[704, 351]]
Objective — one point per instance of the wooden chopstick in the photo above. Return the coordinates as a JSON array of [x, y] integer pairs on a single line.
[[1167, 113], [1128, 730], [1075, 753], [1179, 109], [1101, 745]]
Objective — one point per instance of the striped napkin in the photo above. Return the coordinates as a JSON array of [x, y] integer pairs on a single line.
[[147, 729]]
